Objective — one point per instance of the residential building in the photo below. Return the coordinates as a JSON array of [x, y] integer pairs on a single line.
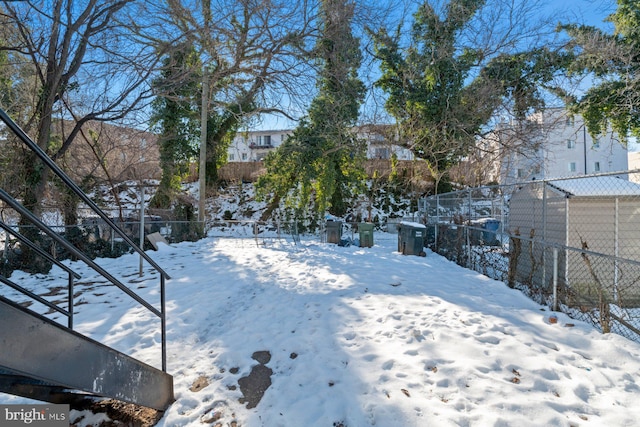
[[382, 143], [253, 146], [555, 144], [634, 165]]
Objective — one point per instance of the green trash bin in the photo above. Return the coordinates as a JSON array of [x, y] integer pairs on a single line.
[[411, 238], [334, 231], [365, 231]]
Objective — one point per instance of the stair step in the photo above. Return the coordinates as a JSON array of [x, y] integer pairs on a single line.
[[55, 357]]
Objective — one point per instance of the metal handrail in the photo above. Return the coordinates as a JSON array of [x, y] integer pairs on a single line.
[[72, 185], [67, 313], [37, 248], [72, 249], [48, 257]]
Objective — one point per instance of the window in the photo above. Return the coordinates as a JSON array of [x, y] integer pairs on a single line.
[[570, 121], [231, 157], [244, 156], [264, 140], [382, 153], [596, 143], [596, 167], [572, 167], [521, 173], [571, 143]]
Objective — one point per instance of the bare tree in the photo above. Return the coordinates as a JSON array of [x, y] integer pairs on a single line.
[[251, 54], [87, 68]]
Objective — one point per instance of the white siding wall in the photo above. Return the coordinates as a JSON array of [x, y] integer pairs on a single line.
[[252, 146], [527, 216], [592, 221], [569, 143], [558, 158]]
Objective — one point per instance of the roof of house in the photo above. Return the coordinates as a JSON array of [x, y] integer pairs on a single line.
[[597, 186]]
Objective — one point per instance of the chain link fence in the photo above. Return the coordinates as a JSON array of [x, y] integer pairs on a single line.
[[572, 244], [92, 236]]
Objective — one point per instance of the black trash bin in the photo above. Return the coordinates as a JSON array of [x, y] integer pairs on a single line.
[[334, 231], [411, 238]]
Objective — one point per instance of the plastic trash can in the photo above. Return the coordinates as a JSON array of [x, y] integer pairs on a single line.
[[486, 235], [490, 228], [365, 232], [411, 238], [334, 231]]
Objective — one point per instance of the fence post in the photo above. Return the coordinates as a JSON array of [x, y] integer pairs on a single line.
[[555, 279], [255, 233], [468, 230], [544, 234], [141, 226], [567, 279], [112, 233], [617, 251], [437, 222]]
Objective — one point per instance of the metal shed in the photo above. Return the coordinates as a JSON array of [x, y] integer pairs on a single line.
[[593, 222]]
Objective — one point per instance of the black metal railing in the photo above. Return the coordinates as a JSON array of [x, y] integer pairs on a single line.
[[71, 275], [28, 216]]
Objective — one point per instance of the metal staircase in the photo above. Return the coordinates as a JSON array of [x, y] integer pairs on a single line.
[[44, 360]]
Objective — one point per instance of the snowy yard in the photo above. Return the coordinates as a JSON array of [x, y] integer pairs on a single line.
[[358, 337]]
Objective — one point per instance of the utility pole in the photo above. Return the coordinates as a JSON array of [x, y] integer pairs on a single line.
[[202, 175]]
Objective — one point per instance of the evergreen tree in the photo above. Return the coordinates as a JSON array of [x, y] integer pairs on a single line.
[[614, 62], [443, 90], [319, 167]]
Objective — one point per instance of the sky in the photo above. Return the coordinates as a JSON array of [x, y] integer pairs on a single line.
[[357, 337], [590, 12]]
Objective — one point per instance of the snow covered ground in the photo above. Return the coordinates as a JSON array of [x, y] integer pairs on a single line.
[[356, 337]]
